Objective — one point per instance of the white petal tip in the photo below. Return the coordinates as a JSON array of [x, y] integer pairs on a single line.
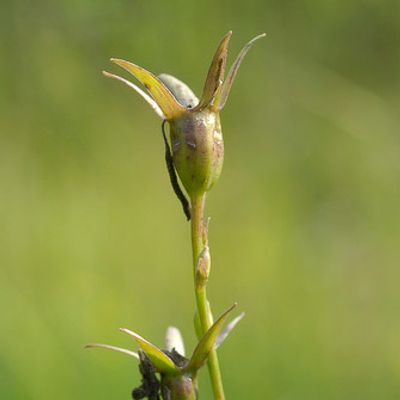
[[174, 340]]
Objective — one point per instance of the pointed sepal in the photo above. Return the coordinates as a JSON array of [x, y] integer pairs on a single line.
[[158, 91], [149, 100], [223, 92], [160, 360], [207, 342], [112, 348], [228, 329], [216, 72]]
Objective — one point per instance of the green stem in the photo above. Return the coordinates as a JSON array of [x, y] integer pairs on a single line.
[[199, 240]]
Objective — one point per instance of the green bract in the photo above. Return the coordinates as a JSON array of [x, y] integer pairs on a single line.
[[195, 129]]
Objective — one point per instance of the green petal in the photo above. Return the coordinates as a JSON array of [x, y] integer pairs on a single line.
[[180, 90], [216, 72], [160, 93], [207, 342], [159, 359], [225, 88]]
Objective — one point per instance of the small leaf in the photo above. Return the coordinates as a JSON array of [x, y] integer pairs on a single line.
[[180, 90], [174, 340], [216, 72], [160, 360], [160, 93], [207, 342], [149, 100], [224, 334], [203, 267], [113, 348], [223, 92]]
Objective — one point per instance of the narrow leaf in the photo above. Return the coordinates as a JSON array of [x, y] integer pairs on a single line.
[[160, 93], [216, 72], [228, 329], [160, 360], [207, 342], [113, 348], [223, 92], [149, 100]]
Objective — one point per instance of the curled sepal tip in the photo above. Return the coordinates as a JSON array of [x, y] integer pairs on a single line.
[[149, 100], [207, 342], [160, 93], [112, 348], [224, 89], [159, 359]]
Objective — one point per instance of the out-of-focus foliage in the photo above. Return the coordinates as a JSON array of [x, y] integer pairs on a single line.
[[305, 228]]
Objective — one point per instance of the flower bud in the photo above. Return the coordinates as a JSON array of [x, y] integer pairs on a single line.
[[197, 144], [197, 150], [182, 387]]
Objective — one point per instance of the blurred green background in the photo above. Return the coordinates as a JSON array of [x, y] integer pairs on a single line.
[[305, 227]]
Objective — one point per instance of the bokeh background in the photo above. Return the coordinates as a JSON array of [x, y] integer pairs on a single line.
[[305, 227]]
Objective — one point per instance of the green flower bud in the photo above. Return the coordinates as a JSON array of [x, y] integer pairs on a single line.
[[197, 150], [182, 387], [196, 137]]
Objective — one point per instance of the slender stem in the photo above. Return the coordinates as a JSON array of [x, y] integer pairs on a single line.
[[199, 240]]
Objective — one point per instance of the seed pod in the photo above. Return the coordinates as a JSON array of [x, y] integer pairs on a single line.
[[197, 150], [183, 387]]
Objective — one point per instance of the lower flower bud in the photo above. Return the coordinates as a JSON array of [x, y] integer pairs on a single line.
[[182, 387]]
